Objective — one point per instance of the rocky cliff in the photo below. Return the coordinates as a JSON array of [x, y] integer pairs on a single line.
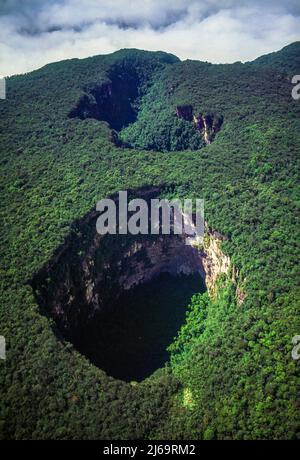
[[90, 271], [214, 261], [208, 124]]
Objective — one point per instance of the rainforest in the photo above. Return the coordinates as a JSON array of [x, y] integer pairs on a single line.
[[146, 336]]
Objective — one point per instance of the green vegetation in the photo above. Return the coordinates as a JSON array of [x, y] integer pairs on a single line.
[[231, 374], [130, 341], [170, 133]]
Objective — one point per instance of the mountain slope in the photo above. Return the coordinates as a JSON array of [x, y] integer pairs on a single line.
[[286, 60], [76, 131]]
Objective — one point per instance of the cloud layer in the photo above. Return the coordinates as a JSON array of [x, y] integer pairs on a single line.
[[33, 33]]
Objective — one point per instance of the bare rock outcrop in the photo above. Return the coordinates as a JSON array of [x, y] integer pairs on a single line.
[[90, 271], [214, 261], [208, 124]]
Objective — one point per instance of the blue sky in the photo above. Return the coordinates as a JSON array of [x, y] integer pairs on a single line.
[[34, 32]]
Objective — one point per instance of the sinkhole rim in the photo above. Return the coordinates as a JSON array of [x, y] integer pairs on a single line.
[[66, 320]]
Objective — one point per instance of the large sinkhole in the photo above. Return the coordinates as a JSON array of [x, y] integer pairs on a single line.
[[120, 299], [119, 101], [112, 101]]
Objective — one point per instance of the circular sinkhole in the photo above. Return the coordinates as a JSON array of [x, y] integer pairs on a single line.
[[135, 123], [120, 299]]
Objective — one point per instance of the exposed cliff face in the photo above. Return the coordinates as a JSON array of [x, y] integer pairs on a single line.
[[214, 261], [77, 287], [208, 125], [90, 271], [112, 101]]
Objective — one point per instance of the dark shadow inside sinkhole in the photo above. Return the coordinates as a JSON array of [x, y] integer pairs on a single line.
[[120, 299], [129, 341]]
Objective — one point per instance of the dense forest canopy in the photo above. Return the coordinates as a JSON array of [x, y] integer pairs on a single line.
[[76, 131]]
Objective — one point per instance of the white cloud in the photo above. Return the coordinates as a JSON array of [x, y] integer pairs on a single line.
[[34, 33]]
